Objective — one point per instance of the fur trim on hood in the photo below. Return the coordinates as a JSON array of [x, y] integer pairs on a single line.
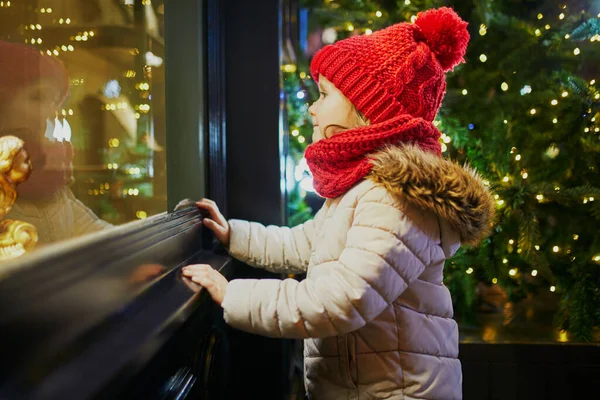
[[456, 194]]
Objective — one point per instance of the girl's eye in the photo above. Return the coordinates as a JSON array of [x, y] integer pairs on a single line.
[[323, 94]]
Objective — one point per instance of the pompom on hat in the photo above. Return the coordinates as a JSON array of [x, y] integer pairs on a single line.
[[397, 70]]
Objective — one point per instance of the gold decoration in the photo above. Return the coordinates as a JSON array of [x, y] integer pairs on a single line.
[[16, 237]]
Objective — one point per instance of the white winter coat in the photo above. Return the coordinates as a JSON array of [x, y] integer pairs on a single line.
[[374, 313]]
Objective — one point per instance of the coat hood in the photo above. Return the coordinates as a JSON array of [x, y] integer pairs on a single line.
[[455, 193]]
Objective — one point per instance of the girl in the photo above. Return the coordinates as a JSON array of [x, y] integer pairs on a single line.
[[374, 313]]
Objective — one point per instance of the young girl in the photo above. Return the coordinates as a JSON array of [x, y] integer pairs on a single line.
[[375, 314]]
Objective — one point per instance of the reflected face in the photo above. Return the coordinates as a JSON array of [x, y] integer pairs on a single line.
[[332, 113], [28, 108]]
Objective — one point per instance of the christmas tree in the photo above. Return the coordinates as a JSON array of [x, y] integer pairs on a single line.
[[522, 110]]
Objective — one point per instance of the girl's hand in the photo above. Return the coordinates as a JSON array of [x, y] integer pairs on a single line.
[[217, 222], [208, 278]]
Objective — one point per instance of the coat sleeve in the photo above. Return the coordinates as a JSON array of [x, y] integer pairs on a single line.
[[85, 219], [384, 252], [273, 248]]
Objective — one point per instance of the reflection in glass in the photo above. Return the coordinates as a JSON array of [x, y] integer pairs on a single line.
[[82, 85]]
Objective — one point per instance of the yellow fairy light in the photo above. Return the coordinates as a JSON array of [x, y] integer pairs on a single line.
[[575, 237], [496, 196], [537, 247], [585, 200], [504, 86], [141, 214], [511, 241], [495, 280], [532, 111], [556, 249], [295, 132], [576, 51], [596, 129], [518, 157], [483, 58], [301, 139], [505, 179], [534, 272], [547, 27], [444, 148], [591, 199], [540, 197], [538, 32], [368, 31], [500, 202], [379, 14], [504, 261], [482, 30], [554, 102], [540, 16], [552, 288], [512, 272], [469, 270], [561, 16], [524, 175], [597, 258], [557, 188], [563, 336], [486, 182], [505, 121], [68, 20], [350, 27], [555, 120], [413, 19], [407, 2], [464, 92], [567, 36], [564, 94]]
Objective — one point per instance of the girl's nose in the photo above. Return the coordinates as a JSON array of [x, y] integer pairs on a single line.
[[311, 110]]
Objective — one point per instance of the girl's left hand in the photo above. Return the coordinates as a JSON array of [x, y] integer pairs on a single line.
[[209, 278]]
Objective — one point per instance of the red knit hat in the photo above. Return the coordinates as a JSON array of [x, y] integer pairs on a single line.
[[397, 70], [22, 65]]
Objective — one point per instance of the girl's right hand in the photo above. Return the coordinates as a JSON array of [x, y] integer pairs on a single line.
[[217, 222]]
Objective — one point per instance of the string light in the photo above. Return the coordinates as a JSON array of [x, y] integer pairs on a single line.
[[564, 94], [532, 111], [469, 270], [495, 280], [552, 288], [540, 16], [504, 86], [556, 249], [483, 58], [575, 237], [534, 272], [537, 247], [505, 261], [567, 36], [538, 32], [561, 16], [368, 31], [301, 139], [505, 179], [576, 51], [511, 241], [555, 120], [540, 197], [378, 14], [524, 174], [482, 30], [141, 214], [554, 102], [512, 272], [547, 26], [518, 157]]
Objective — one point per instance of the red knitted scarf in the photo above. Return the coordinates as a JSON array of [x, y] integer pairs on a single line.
[[341, 161]]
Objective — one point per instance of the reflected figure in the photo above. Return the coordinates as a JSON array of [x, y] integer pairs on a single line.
[[32, 87]]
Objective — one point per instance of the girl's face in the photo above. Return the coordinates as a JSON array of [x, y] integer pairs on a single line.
[[332, 113]]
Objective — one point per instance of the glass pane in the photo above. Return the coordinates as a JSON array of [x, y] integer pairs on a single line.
[[83, 85]]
